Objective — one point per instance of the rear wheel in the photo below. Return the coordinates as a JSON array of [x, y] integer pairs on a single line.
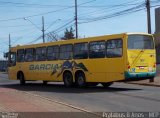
[[107, 84], [21, 79], [68, 79], [80, 80]]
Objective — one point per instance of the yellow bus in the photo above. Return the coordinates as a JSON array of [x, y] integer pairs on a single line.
[[102, 59]]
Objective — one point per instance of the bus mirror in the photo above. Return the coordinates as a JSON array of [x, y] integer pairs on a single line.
[[6, 55]]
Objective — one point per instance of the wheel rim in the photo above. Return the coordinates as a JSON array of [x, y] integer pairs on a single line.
[[68, 80], [81, 81]]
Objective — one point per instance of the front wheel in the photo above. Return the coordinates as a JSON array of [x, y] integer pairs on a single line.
[[68, 79], [21, 79], [107, 84]]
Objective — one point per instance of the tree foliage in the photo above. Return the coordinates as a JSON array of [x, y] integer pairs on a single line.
[[68, 34], [52, 36]]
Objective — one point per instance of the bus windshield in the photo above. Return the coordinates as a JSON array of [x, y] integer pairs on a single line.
[[140, 42]]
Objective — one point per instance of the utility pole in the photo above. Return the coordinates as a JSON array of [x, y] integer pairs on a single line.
[[9, 42], [9, 52], [76, 19], [43, 35], [149, 24], [148, 16]]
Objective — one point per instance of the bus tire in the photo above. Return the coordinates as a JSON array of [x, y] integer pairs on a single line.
[[106, 85], [68, 79], [21, 78], [80, 79]]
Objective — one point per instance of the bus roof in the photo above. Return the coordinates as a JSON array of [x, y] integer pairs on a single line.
[[61, 42]]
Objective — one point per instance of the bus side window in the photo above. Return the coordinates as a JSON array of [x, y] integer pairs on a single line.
[[20, 55], [114, 48], [53, 53], [66, 51], [97, 49], [29, 56], [81, 51], [41, 54], [12, 59]]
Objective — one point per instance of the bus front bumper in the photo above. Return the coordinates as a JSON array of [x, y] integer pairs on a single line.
[[139, 76]]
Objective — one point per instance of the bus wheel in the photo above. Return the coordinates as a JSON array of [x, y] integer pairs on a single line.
[[80, 80], [21, 79], [107, 84], [68, 79]]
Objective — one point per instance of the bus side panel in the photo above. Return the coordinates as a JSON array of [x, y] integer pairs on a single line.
[[104, 70], [43, 70], [115, 69], [25, 68], [107, 69], [116, 66], [96, 71], [12, 73]]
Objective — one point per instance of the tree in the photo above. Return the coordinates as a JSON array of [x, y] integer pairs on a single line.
[[68, 34]]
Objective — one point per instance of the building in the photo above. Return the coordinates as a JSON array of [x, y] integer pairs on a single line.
[[3, 65]]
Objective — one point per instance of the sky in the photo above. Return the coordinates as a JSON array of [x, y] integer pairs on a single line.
[[22, 19]]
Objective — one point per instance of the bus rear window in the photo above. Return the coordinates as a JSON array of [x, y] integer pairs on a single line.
[[140, 42]]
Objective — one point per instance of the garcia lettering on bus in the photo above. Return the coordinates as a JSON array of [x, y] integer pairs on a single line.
[[42, 66]]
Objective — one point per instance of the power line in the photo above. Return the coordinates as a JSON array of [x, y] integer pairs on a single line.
[[28, 5], [40, 5], [45, 13], [113, 7], [63, 26], [52, 24], [20, 18], [32, 23], [55, 31], [87, 2], [109, 9], [34, 40], [120, 13], [6, 43], [13, 26], [86, 20]]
